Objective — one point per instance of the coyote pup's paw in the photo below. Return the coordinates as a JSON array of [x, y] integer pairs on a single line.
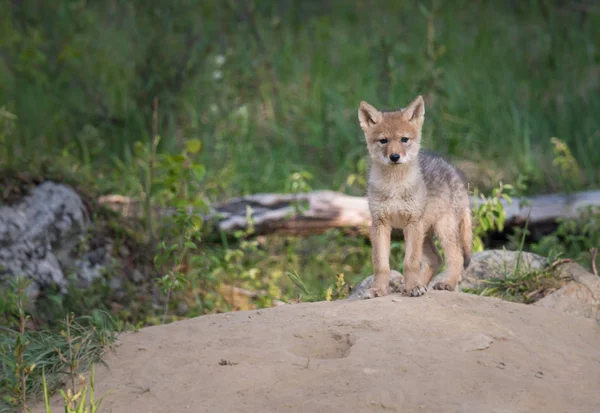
[[442, 285], [416, 291], [374, 292]]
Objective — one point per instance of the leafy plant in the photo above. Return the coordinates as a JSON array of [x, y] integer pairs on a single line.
[[172, 255], [236, 267], [570, 172], [338, 291], [488, 213], [298, 183], [574, 237], [173, 181]]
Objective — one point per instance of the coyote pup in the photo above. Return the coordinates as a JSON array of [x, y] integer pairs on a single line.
[[418, 192]]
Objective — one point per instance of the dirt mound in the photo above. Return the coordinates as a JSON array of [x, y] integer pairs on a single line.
[[444, 352]]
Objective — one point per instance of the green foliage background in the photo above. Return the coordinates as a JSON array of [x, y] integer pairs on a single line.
[[272, 87]]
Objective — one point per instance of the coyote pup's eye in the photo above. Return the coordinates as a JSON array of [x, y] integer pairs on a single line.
[[404, 139], [382, 141]]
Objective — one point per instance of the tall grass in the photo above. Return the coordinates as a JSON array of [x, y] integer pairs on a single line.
[[61, 354], [272, 87]]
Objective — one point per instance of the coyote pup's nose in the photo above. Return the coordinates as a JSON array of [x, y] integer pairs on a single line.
[[394, 157]]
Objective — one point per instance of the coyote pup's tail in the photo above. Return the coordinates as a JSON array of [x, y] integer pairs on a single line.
[[466, 236]]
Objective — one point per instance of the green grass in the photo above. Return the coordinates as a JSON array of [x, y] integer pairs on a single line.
[[500, 79], [521, 283], [524, 288], [49, 351]]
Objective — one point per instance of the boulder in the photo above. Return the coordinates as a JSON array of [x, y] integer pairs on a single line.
[[38, 236], [498, 264]]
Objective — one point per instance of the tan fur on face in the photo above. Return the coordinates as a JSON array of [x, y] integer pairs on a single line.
[[393, 126], [420, 193]]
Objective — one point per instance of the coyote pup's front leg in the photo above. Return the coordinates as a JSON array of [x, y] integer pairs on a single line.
[[380, 241], [414, 238]]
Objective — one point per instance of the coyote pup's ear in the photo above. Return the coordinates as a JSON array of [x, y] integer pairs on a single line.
[[415, 112], [368, 115]]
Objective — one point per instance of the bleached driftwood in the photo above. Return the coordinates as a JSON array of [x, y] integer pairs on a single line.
[[309, 213], [324, 210]]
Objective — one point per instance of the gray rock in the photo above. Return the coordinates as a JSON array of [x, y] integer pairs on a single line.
[[38, 235], [396, 286], [498, 264], [484, 265], [580, 296], [92, 265]]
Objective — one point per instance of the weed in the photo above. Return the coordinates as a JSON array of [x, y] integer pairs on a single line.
[[298, 183], [570, 172], [488, 213], [172, 255], [76, 402], [27, 355], [575, 238], [523, 285], [20, 367], [338, 291]]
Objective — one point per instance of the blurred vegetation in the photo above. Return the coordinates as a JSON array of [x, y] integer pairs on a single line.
[[272, 87], [184, 103]]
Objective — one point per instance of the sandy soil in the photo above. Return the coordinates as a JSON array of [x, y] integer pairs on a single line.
[[444, 352]]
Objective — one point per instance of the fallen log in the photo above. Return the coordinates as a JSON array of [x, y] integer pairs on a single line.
[[318, 211]]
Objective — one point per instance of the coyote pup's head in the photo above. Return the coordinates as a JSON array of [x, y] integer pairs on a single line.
[[393, 138]]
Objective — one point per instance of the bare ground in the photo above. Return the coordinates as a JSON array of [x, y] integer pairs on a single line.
[[444, 352]]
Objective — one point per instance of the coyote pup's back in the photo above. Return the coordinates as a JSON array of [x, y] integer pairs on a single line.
[[419, 192]]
